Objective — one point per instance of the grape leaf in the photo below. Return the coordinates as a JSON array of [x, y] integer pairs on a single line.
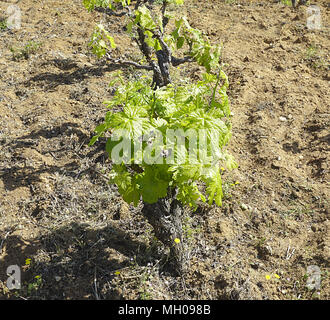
[[152, 187]]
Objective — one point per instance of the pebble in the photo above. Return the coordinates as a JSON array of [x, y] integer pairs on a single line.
[[281, 118], [244, 206], [57, 278], [256, 265]]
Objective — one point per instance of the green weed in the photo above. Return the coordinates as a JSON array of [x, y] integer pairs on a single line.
[[3, 24], [24, 53]]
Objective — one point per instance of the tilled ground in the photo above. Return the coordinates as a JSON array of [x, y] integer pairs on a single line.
[[71, 233]]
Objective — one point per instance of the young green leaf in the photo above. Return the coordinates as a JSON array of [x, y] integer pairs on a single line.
[[151, 184]]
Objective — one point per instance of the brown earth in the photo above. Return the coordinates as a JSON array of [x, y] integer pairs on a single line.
[[57, 209]]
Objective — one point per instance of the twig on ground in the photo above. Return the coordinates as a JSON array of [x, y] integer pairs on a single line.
[[288, 253], [4, 239], [95, 286]]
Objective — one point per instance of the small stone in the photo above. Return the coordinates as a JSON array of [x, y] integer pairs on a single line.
[[283, 119], [255, 265], [244, 206], [290, 116], [275, 166], [57, 278], [255, 211]]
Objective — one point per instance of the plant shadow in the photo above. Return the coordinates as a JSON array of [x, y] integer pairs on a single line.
[[74, 261], [18, 172], [50, 81]]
